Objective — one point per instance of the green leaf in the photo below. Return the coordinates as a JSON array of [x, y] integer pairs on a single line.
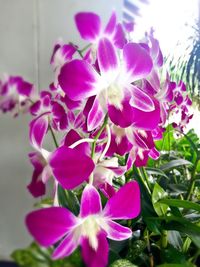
[[158, 194], [175, 239], [31, 256], [154, 171], [178, 224], [153, 224], [175, 163], [167, 141], [196, 240], [186, 244], [68, 199], [122, 263], [181, 225], [35, 256], [172, 255], [181, 204]]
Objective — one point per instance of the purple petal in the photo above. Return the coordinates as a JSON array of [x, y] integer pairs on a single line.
[[55, 49], [37, 130], [71, 105], [72, 137], [23, 87], [90, 201], [95, 116], [78, 80], [89, 25], [125, 204], [66, 247], [141, 158], [119, 36], [154, 153], [118, 232], [110, 27], [36, 186], [156, 52], [118, 171], [178, 98], [131, 116], [131, 158], [120, 148], [49, 225], [182, 86], [170, 91], [146, 120], [122, 118], [129, 26], [143, 139], [98, 258], [141, 100], [107, 189], [34, 109], [138, 62], [107, 58], [153, 84], [61, 54], [70, 167]]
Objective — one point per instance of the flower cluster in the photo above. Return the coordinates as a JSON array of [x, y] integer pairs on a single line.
[[108, 100]]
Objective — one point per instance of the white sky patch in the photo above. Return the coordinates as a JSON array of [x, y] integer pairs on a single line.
[[172, 21]]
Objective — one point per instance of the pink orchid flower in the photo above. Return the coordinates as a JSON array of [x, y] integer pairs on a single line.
[[90, 28], [15, 94], [91, 228], [113, 88]]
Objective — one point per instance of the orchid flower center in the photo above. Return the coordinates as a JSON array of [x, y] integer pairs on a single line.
[[90, 228], [115, 95]]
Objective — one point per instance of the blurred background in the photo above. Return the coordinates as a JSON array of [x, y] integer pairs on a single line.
[[28, 31]]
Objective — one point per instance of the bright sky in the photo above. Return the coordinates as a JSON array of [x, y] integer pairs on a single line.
[[169, 19]]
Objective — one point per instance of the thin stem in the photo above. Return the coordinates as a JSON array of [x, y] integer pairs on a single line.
[[53, 136], [80, 51], [151, 259], [85, 48], [98, 135], [107, 144]]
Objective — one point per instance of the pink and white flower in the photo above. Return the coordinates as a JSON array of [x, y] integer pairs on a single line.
[[113, 88], [91, 228]]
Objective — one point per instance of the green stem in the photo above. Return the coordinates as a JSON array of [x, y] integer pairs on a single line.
[[85, 48], [98, 135], [151, 259], [53, 136], [80, 51]]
